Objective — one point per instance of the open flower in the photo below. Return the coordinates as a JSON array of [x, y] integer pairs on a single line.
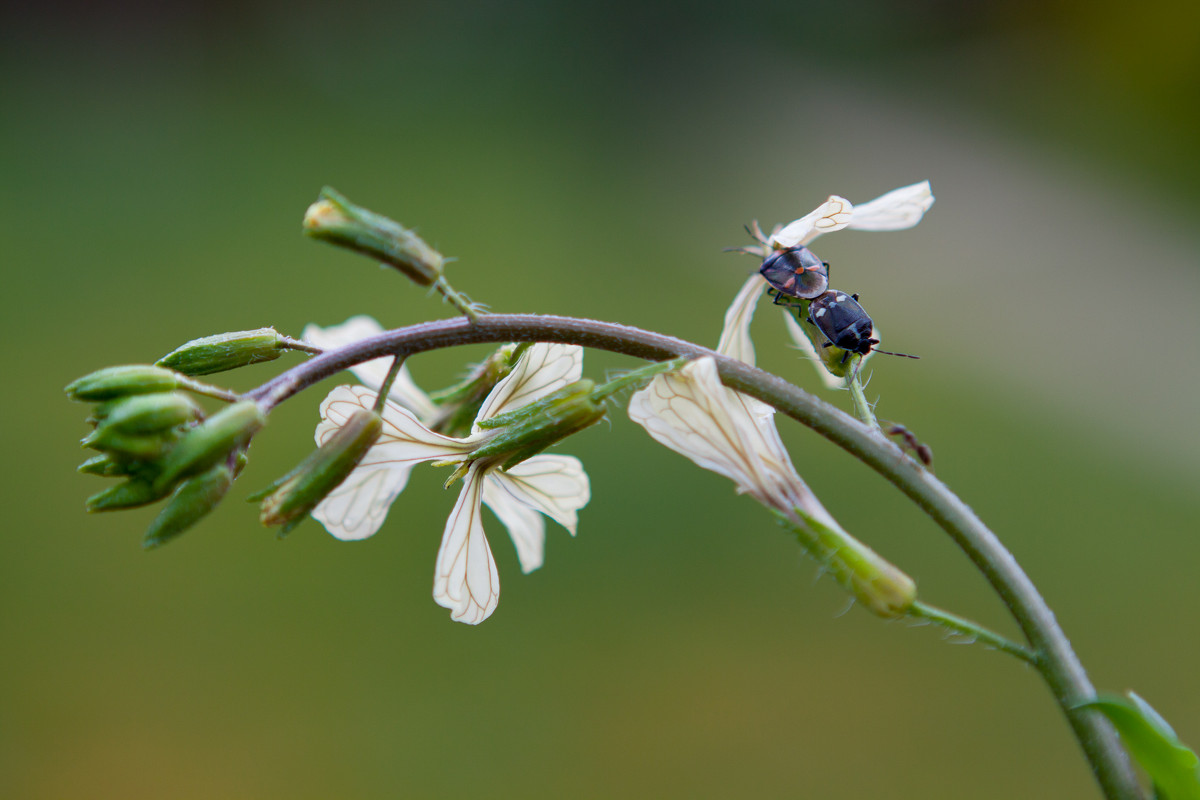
[[734, 435], [465, 579], [896, 210]]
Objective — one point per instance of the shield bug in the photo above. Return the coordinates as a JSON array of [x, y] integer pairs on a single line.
[[796, 272], [844, 324]]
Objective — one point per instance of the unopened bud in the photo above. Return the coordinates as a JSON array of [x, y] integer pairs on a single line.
[[225, 351], [146, 413], [113, 382], [191, 502], [335, 219], [138, 447], [530, 429], [458, 406], [128, 494], [876, 583], [106, 465], [289, 500], [212, 441]]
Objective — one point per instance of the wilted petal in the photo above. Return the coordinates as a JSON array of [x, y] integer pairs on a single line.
[[525, 526], [372, 373], [465, 578], [898, 209], [735, 336], [543, 368], [832, 215], [690, 412]]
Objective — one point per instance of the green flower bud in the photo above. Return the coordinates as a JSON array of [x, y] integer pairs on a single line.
[[210, 442], [146, 413], [335, 219], [138, 447], [225, 351], [289, 500], [113, 382], [191, 502], [128, 494], [530, 429], [105, 465], [459, 404], [876, 583]]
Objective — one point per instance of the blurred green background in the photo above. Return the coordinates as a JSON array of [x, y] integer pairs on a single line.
[[595, 159]]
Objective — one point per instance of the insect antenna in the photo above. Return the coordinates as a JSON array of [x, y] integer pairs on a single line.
[[890, 353]]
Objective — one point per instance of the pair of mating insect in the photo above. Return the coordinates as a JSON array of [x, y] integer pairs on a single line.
[[796, 273]]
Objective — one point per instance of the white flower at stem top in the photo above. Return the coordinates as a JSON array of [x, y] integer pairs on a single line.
[[465, 578], [734, 435], [898, 209]]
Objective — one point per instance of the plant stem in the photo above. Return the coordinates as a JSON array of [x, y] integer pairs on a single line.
[[973, 630], [1056, 662], [381, 398], [862, 409]]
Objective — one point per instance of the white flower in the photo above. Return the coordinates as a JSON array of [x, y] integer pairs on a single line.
[[404, 391], [728, 433], [896, 210], [465, 579]]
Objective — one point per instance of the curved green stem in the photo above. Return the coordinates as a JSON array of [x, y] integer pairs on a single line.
[[972, 630], [862, 409], [1056, 662]]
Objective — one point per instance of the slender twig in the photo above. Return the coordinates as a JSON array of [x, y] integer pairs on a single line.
[[973, 631], [1056, 662], [862, 409]]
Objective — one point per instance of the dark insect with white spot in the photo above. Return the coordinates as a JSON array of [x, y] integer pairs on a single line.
[[845, 325]]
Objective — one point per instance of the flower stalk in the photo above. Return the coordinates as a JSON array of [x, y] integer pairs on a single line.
[[1056, 661]]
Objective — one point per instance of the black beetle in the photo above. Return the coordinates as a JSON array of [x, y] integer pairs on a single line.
[[844, 324], [795, 273]]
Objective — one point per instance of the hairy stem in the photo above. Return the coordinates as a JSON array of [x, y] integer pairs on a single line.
[[1056, 661]]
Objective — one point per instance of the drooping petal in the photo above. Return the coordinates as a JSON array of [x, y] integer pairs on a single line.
[[689, 411], [372, 373], [525, 526], [898, 209], [555, 485], [832, 215], [543, 368], [735, 336], [465, 579]]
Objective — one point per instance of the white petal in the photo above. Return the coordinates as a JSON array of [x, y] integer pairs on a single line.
[[832, 215], [898, 209], [403, 440], [465, 578], [372, 373], [688, 411], [525, 526], [735, 336], [543, 368], [810, 353], [555, 485], [356, 508]]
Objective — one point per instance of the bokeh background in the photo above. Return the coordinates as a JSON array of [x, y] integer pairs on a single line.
[[595, 159]]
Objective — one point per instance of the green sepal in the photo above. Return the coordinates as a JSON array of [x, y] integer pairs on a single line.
[[192, 501], [146, 413], [530, 429], [113, 382], [213, 440], [128, 494], [290, 499], [1171, 765], [336, 220], [880, 586], [458, 405], [225, 351]]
